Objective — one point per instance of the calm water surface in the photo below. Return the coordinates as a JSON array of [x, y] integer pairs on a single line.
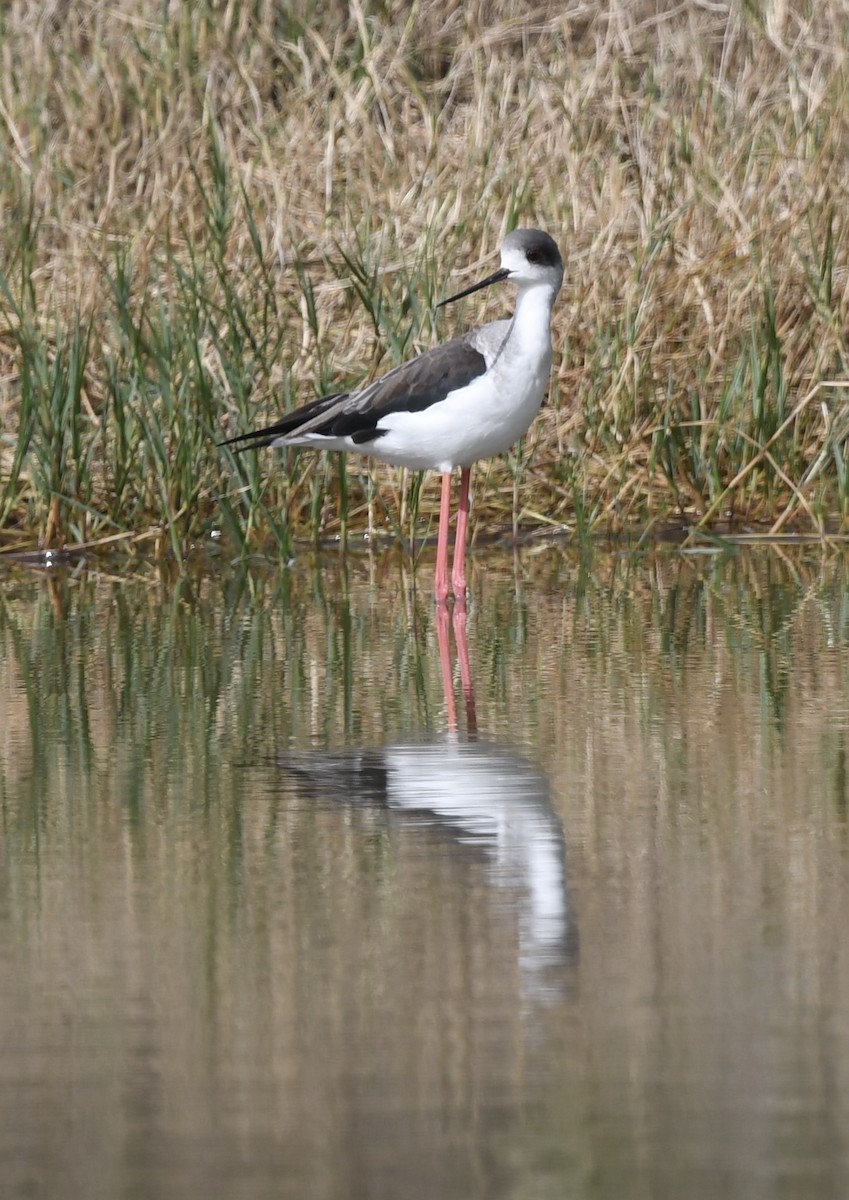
[[304, 894]]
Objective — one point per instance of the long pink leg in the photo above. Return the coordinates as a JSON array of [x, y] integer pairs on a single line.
[[458, 573], [459, 622], [441, 581], [443, 634]]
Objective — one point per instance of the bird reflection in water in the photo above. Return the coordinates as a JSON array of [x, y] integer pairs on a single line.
[[477, 796]]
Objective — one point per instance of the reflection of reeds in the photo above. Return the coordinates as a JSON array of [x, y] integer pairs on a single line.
[[166, 899], [753, 643], [210, 217]]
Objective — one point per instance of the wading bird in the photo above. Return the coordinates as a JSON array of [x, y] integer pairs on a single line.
[[466, 399]]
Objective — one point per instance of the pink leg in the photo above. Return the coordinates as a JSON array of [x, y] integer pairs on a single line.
[[458, 574], [443, 634], [465, 669], [441, 582]]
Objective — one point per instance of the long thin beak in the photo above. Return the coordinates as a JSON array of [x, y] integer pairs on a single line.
[[496, 277]]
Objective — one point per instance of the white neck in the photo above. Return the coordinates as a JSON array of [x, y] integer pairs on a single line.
[[530, 330]]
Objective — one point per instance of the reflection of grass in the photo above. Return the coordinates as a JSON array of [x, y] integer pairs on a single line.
[[243, 665], [209, 220]]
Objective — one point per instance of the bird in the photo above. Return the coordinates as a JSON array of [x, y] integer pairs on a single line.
[[461, 401], [478, 798]]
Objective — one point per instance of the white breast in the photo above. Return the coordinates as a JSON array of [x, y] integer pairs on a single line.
[[491, 413]]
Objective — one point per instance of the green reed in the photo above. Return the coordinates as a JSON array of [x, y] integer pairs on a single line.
[[209, 230]]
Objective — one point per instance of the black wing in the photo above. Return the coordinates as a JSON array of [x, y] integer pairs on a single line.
[[410, 387], [257, 438]]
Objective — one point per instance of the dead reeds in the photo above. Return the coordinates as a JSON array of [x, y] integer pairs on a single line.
[[212, 212]]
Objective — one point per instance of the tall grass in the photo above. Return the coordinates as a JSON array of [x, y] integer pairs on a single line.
[[212, 214]]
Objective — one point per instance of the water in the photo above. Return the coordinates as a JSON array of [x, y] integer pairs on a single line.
[[285, 913]]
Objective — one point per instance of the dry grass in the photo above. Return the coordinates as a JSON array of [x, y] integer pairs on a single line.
[[211, 211]]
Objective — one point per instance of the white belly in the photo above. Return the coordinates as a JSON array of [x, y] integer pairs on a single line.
[[478, 421]]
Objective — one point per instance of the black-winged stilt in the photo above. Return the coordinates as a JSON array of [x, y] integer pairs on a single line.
[[469, 398]]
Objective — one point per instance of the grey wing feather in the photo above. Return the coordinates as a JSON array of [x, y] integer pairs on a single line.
[[411, 387]]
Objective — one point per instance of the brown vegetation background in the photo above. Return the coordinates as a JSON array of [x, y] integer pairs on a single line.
[[323, 173]]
